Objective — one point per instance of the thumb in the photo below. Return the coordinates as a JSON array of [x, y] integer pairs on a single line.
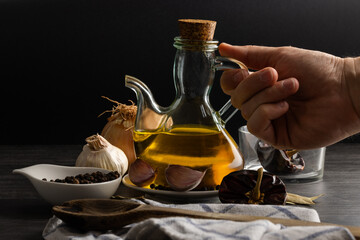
[[255, 57]]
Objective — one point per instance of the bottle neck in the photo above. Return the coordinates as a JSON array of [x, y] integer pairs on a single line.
[[193, 68]]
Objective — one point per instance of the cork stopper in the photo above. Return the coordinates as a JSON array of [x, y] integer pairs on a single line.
[[197, 29]]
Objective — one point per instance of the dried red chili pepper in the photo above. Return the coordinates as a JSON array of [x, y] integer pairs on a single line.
[[279, 161], [249, 186]]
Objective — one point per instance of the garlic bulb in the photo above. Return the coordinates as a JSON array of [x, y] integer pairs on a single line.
[[98, 152], [119, 128]]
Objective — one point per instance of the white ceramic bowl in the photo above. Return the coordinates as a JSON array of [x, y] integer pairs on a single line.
[[57, 193]]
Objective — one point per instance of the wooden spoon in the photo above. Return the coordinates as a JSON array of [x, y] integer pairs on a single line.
[[106, 214]]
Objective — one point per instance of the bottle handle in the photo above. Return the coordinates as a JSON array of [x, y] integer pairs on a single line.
[[223, 63]]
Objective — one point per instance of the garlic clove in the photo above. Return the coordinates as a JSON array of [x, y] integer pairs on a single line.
[[182, 178], [141, 173]]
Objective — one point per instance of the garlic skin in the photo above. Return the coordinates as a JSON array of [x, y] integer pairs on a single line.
[[98, 152], [141, 173], [119, 128], [182, 179], [119, 133]]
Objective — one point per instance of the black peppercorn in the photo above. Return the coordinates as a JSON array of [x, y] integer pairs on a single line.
[[88, 178]]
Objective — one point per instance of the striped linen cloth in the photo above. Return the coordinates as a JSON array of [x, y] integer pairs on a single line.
[[184, 228]]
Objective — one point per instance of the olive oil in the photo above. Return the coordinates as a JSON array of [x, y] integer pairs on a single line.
[[198, 148]]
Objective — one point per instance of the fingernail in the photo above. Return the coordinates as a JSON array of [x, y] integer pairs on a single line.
[[288, 84], [226, 43], [281, 104], [223, 48], [266, 75]]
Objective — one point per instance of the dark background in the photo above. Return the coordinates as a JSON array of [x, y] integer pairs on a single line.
[[57, 58]]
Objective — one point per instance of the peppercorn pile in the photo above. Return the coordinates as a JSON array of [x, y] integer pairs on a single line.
[[88, 178]]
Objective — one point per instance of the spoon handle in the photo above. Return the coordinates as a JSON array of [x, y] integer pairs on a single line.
[[167, 212], [105, 214]]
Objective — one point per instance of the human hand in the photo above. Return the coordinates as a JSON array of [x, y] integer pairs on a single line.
[[298, 99]]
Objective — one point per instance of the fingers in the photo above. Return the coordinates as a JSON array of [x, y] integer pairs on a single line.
[[255, 57], [276, 93], [230, 79], [251, 85], [262, 87], [268, 105], [260, 122]]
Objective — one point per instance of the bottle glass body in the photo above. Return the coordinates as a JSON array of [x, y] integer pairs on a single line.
[[189, 132]]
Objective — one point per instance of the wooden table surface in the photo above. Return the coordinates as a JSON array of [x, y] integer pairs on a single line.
[[23, 214]]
